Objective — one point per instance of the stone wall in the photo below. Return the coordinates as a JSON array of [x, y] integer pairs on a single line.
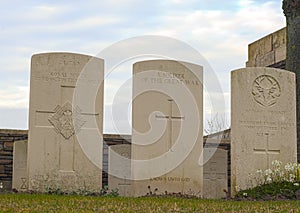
[[7, 139], [269, 51]]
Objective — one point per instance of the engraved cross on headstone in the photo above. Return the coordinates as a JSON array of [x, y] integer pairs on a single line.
[[267, 151], [170, 119]]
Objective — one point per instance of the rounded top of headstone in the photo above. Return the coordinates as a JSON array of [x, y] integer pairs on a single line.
[[262, 69], [161, 61], [267, 86], [62, 54]]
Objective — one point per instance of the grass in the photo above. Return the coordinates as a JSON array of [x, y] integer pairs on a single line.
[[284, 189], [60, 203]]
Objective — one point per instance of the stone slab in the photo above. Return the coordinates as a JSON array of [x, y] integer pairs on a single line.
[[61, 132], [267, 50], [20, 181], [280, 54], [167, 138], [266, 59], [119, 169], [215, 173], [259, 49], [263, 121]]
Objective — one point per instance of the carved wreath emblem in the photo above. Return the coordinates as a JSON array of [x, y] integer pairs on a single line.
[[63, 122], [266, 90]]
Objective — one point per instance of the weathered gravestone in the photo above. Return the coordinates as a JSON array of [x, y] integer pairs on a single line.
[[167, 137], [119, 171], [215, 175], [263, 121], [56, 158], [20, 181]]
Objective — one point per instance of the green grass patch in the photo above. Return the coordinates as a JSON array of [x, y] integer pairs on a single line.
[[75, 203], [274, 190]]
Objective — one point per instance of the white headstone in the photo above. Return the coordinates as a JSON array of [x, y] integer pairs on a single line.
[[215, 174], [119, 171], [20, 181], [263, 121], [57, 159], [167, 139]]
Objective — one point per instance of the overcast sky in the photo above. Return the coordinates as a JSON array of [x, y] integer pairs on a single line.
[[220, 30]]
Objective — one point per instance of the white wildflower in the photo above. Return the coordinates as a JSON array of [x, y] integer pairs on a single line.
[[245, 194], [288, 167], [295, 166], [276, 163], [1, 185], [269, 179], [291, 178], [291, 167], [278, 173], [259, 171], [268, 172]]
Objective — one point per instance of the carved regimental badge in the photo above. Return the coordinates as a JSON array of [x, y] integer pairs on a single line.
[[266, 90], [63, 122]]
